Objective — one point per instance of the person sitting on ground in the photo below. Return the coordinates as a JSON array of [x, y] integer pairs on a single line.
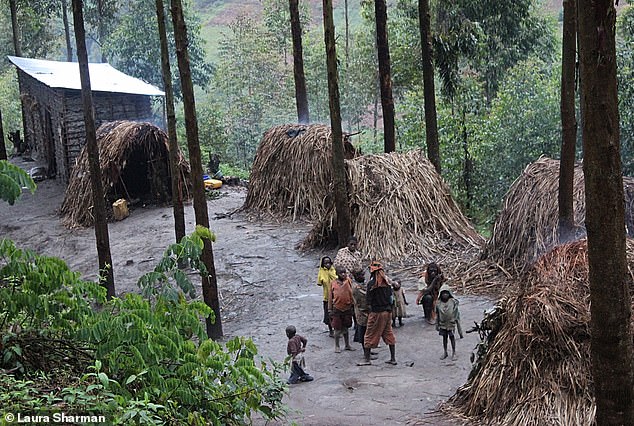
[[379, 299], [448, 320], [398, 309], [325, 276], [340, 304], [295, 348], [350, 258], [428, 289]]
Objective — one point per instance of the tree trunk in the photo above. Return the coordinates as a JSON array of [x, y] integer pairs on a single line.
[[177, 182], [431, 122], [338, 165], [17, 49], [100, 30], [301, 98], [3, 147], [347, 23], [387, 101], [566, 228], [106, 275], [69, 47], [209, 281], [467, 172], [611, 341]]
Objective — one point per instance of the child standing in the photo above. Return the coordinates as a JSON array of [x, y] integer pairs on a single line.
[[398, 309], [447, 320], [295, 348], [340, 308], [325, 276]]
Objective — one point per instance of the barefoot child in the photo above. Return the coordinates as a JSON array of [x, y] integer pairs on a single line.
[[325, 276], [447, 320], [340, 308], [295, 348], [398, 309]]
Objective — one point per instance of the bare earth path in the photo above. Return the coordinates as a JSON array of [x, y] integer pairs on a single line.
[[265, 285]]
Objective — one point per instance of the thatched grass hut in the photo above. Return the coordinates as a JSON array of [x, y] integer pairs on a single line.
[[401, 209], [537, 368], [134, 161], [291, 176], [527, 225]]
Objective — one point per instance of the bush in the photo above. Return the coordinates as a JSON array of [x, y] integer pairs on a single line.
[[134, 359]]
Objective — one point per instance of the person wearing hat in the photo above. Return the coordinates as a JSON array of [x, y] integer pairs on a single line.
[[379, 300]]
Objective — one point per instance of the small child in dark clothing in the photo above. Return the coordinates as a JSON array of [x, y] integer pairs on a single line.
[[295, 348], [398, 308]]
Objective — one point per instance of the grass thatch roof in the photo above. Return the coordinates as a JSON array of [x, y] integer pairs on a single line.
[[537, 369], [291, 175], [401, 210], [527, 225], [134, 162]]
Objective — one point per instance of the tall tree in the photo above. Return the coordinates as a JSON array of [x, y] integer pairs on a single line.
[[69, 47], [385, 78], [338, 165], [209, 280], [568, 122], [177, 193], [17, 48], [3, 148], [301, 97], [347, 24], [106, 275], [431, 122], [611, 331]]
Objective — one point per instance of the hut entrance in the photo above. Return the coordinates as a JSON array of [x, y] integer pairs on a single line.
[[134, 182], [134, 162]]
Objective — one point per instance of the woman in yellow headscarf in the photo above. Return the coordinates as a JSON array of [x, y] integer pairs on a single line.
[[325, 277]]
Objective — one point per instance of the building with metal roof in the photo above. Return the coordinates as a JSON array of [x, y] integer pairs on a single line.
[[52, 111]]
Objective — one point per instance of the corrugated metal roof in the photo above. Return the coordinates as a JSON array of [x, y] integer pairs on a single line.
[[65, 75]]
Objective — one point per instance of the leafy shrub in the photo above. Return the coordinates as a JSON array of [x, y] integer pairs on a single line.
[[138, 359]]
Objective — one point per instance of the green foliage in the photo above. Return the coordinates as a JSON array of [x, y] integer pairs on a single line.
[[188, 251], [523, 124], [152, 362], [10, 101], [12, 180], [133, 45], [39, 34], [253, 83]]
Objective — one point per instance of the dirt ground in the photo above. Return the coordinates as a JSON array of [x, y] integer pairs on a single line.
[[265, 285]]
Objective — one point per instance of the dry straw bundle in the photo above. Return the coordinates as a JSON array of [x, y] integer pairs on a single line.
[[291, 175], [527, 224], [402, 210], [537, 369], [132, 150]]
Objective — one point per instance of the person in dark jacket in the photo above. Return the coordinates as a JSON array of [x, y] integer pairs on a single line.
[[379, 299], [428, 290]]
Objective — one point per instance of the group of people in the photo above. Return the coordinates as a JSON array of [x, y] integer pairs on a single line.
[[373, 307]]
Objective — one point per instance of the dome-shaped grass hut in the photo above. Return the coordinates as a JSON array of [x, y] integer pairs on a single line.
[[292, 172], [401, 209], [527, 225], [535, 368], [134, 161]]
